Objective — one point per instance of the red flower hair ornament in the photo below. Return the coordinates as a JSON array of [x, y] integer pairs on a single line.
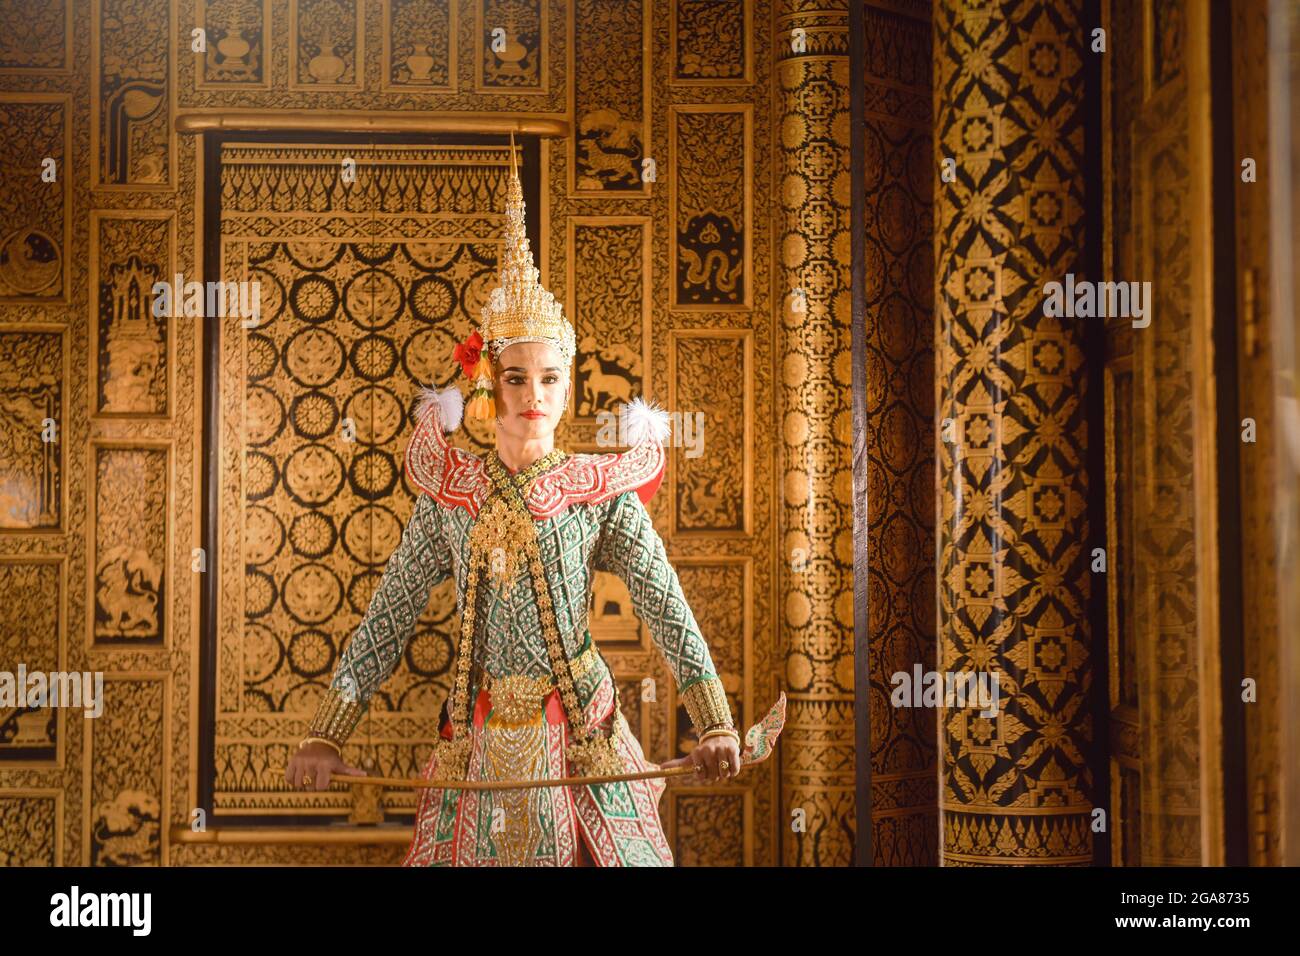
[[478, 369]]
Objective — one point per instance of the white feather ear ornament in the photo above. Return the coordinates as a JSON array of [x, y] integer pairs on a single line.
[[644, 421], [449, 402]]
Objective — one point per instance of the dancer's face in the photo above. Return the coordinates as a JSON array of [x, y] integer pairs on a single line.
[[530, 378]]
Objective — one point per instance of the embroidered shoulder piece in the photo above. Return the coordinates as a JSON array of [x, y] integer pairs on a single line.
[[592, 479], [458, 479], [449, 475]]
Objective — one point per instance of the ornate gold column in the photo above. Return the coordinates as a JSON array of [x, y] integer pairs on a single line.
[[812, 275], [1014, 551]]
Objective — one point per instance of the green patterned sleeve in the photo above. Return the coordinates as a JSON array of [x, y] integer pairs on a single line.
[[421, 561], [630, 547]]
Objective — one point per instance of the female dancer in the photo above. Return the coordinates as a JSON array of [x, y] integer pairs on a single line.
[[523, 530]]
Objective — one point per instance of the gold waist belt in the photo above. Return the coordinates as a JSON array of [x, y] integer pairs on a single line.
[[518, 698]]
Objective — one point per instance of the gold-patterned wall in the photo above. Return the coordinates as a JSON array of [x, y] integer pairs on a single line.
[[652, 231], [38, 126], [132, 355], [37, 634]]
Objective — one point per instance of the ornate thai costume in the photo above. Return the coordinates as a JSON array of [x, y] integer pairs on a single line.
[[532, 697]]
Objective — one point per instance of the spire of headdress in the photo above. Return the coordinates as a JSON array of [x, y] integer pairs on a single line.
[[519, 309]]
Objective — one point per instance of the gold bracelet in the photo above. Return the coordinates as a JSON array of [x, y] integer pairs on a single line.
[[321, 740], [721, 732]]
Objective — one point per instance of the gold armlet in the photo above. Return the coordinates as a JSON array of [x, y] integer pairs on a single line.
[[336, 717], [706, 703]]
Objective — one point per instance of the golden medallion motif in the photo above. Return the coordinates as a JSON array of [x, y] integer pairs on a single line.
[[501, 534], [517, 698]]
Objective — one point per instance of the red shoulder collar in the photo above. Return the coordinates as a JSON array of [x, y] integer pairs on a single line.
[[458, 479], [592, 479]]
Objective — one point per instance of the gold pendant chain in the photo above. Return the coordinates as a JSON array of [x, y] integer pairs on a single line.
[[504, 525], [594, 753], [508, 525]]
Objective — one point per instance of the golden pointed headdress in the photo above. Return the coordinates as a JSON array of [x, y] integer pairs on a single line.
[[519, 309]]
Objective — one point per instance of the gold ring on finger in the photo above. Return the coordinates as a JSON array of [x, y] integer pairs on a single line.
[[306, 780]]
